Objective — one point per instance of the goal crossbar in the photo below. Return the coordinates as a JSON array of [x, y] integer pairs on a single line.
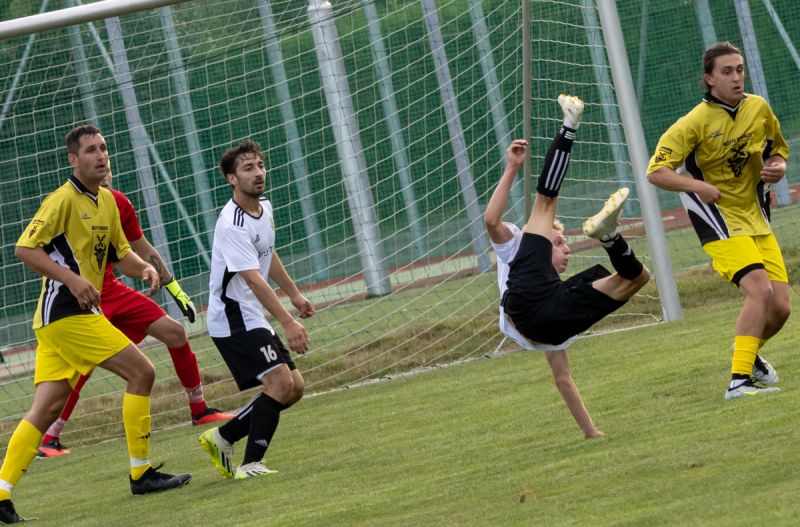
[[77, 15]]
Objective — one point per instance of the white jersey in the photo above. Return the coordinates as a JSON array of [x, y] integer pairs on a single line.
[[241, 242], [505, 255]]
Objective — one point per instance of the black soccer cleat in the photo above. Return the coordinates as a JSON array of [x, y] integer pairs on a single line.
[[154, 481], [8, 515]]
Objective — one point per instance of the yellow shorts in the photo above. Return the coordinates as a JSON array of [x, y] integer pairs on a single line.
[[734, 257], [73, 346]]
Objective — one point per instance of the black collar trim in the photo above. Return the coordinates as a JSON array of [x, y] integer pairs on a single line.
[[239, 207], [727, 107], [81, 187]]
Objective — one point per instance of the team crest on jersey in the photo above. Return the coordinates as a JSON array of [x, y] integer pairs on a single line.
[[100, 248], [35, 224], [715, 134], [663, 153], [738, 159]]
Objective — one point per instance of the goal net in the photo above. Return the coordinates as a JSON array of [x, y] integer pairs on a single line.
[[384, 126]]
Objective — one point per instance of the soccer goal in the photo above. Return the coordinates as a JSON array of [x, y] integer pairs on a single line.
[[384, 126]]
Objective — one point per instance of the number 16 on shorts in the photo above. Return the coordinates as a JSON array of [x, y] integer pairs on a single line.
[[270, 355]]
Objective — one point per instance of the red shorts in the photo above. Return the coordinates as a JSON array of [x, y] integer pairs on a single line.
[[129, 310]]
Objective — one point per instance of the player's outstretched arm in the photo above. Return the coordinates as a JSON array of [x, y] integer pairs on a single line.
[[295, 333], [493, 216], [134, 267], [149, 254], [145, 250], [559, 365], [277, 272]]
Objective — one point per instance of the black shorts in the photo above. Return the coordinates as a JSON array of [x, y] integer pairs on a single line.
[[543, 307], [252, 354]]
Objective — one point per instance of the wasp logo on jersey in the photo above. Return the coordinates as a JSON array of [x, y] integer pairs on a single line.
[[35, 224], [738, 159], [663, 153], [99, 250]]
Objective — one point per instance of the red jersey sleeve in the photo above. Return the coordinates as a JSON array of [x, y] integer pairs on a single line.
[[127, 216]]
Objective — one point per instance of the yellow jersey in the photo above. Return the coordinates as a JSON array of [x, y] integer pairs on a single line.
[[725, 146], [80, 231]]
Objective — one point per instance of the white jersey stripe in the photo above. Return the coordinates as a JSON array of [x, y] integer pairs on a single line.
[[703, 211]]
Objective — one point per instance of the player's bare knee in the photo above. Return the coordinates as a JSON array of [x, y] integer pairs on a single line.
[[298, 390], [280, 387], [781, 309], [141, 377], [762, 294], [46, 414], [173, 334]]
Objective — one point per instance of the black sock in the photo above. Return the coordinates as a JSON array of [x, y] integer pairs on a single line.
[[759, 363], [238, 427], [263, 423], [555, 163], [622, 258]]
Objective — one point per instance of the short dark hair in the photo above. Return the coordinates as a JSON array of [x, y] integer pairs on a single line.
[[228, 162], [73, 138], [710, 57]]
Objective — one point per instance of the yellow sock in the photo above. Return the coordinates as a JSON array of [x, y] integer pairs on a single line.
[[761, 343], [136, 417], [21, 450], [744, 354]]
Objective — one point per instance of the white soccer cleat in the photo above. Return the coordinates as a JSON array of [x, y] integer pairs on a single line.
[[763, 371], [572, 107], [251, 470], [747, 388], [604, 224]]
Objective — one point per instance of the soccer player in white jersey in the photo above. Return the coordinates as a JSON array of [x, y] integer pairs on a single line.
[[242, 258], [538, 310]]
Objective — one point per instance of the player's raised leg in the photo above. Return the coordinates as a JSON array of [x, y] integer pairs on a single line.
[[631, 275], [554, 169]]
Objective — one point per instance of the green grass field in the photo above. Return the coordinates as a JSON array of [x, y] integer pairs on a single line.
[[489, 442]]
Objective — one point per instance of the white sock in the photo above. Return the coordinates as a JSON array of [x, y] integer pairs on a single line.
[[735, 383], [607, 240], [221, 440]]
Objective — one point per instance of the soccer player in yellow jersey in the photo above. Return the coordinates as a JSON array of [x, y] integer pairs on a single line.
[[72, 236], [722, 157]]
